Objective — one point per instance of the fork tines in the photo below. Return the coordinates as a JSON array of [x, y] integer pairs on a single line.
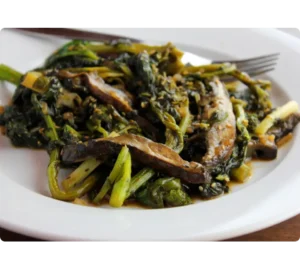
[[255, 66]]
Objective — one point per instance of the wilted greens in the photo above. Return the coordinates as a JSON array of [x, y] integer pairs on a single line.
[[135, 123]]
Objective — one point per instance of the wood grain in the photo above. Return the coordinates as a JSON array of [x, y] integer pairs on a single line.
[[286, 231]]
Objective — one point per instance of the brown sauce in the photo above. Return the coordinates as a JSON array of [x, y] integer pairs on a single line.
[[2, 130], [233, 183], [284, 140]]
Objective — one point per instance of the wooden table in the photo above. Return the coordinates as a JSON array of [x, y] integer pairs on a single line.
[[286, 231]]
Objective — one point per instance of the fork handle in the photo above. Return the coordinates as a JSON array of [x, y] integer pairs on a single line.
[[68, 33]]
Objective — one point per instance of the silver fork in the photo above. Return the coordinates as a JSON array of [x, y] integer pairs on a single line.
[[256, 65], [253, 66]]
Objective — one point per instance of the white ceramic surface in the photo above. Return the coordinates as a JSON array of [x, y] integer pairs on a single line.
[[269, 197]]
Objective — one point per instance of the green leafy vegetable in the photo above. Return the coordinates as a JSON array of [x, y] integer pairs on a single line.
[[9, 74], [121, 186], [189, 123], [122, 157], [163, 193]]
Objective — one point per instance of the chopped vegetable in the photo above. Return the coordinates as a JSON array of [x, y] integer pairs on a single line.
[[80, 173], [241, 174], [279, 113], [134, 123], [122, 157], [121, 186], [164, 193], [9, 74]]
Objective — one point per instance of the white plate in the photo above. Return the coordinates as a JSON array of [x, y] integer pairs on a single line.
[[26, 208]]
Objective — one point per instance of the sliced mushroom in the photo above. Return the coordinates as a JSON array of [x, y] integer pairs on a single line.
[[106, 93], [120, 99], [284, 127], [221, 135], [263, 148], [145, 151]]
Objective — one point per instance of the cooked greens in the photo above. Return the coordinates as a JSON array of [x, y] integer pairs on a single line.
[[135, 123]]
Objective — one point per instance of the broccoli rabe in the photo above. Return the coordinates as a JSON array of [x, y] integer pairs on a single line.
[[163, 192]]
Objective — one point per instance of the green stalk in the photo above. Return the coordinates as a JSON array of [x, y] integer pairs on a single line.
[[279, 114], [53, 167], [241, 120], [232, 86], [97, 127], [186, 119], [203, 68], [86, 167], [174, 135], [134, 48], [10, 75], [262, 95], [81, 173], [140, 179], [71, 133], [226, 69], [121, 187], [56, 192], [113, 174]]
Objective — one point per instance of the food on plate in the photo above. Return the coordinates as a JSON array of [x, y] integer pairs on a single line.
[[135, 123]]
